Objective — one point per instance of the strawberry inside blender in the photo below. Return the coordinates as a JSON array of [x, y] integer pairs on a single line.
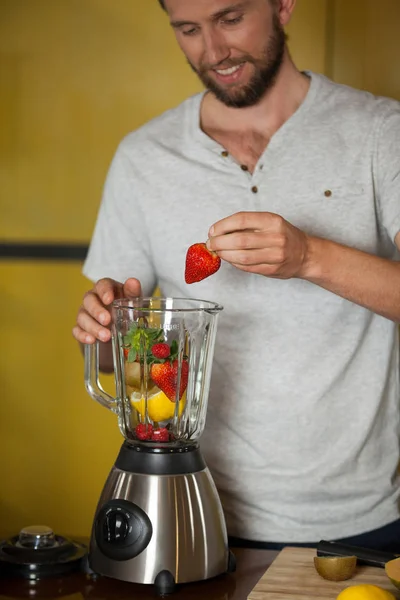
[[152, 369]]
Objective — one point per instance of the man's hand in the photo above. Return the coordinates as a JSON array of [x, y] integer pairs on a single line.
[[264, 243], [260, 242], [94, 318]]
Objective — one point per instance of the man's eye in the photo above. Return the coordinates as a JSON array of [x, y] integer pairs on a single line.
[[191, 31], [233, 21]]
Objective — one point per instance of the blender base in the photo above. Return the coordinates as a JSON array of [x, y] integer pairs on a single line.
[[163, 525]]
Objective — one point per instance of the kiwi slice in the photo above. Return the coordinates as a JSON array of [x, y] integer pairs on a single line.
[[335, 568], [392, 570]]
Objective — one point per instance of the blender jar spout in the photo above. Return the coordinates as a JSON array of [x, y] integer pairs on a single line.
[[92, 384]]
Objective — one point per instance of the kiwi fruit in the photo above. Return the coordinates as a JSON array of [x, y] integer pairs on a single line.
[[335, 568]]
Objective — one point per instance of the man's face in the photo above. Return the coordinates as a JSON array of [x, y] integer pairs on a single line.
[[235, 47]]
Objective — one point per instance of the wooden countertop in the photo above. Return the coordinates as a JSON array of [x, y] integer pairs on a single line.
[[251, 565]]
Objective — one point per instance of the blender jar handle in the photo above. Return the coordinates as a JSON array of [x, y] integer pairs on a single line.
[[92, 383]]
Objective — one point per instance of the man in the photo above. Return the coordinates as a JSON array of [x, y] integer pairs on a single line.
[[295, 182]]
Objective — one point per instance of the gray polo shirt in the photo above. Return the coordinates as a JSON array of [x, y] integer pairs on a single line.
[[302, 433]]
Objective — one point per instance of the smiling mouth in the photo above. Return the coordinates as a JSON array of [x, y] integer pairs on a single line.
[[230, 75], [229, 71]]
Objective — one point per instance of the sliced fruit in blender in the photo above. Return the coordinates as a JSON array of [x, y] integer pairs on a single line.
[[159, 406], [132, 374], [165, 376]]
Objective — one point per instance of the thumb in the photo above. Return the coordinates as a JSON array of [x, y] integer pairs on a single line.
[[132, 288]]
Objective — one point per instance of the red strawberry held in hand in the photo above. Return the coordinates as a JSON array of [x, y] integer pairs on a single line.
[[200, 263], [165, 376]]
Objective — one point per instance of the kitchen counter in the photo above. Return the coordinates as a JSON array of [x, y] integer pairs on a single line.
[[251, 564]]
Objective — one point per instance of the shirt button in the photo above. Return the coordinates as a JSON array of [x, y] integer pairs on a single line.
[[328, 193], [244, 167], [254, 189], [224, 153]]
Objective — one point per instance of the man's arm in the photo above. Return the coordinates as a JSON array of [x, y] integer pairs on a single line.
[[267, 244], [362, 278]]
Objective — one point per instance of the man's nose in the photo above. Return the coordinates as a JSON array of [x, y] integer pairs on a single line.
[[215, 48]]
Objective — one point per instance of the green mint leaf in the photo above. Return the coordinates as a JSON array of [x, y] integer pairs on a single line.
[[141, 338], [173, 350], [133, 328], [132, 355], [155, 334]]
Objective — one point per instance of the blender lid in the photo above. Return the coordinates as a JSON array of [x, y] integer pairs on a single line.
[[38, 552]]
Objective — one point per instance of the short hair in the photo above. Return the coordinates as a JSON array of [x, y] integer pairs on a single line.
[[162, 3]]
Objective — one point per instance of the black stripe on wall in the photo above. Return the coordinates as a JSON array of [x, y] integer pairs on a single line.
[[23, 251]]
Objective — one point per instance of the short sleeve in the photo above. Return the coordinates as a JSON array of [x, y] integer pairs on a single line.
[[120, 247], [388, 170]]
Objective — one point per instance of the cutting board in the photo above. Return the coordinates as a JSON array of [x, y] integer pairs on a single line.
[[292, 575]]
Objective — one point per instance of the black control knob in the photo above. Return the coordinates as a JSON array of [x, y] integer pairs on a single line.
[[122, 530], [115, 527]]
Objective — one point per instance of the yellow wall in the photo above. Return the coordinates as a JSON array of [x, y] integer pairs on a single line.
[[366, 45], [75, 77]]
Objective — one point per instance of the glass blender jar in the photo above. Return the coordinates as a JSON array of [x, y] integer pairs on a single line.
[[159, 519]]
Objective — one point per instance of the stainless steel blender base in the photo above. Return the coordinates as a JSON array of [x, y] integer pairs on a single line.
[[177, 522]]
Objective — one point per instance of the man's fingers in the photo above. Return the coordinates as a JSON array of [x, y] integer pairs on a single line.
[[107, 289], [95, 308], [245, 220], [82, 336], [266, 270], [94, 318], [244, 240], [90, 326], [269, 256], [132, 288]]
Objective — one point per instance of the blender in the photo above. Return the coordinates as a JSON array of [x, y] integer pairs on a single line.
[[159, 519]]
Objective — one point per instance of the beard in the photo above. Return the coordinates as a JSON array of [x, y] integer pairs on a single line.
[[266, 70]]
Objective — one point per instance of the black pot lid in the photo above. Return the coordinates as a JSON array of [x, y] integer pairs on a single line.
[[38, 552]]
